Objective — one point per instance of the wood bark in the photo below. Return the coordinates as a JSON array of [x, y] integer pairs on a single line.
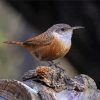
[[49, 83]]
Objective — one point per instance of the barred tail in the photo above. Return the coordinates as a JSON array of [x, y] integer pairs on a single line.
[[14, 42]]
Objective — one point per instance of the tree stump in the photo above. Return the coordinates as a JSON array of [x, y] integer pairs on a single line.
[[49, 83]]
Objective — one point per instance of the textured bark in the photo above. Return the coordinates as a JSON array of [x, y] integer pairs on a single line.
[[49, 83], [16, 90]]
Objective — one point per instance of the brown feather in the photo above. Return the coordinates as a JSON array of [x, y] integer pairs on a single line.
[[50, 52], [40, 40], [14, 42]]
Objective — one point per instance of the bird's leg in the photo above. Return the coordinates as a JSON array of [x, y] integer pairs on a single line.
[[50, 63]]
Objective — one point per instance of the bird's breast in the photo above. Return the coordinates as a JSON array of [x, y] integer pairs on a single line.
[[56, 49]]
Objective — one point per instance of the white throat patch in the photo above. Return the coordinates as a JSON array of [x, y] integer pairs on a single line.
[[65, 37]]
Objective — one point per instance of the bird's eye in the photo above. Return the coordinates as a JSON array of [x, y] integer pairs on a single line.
[[62, 29]]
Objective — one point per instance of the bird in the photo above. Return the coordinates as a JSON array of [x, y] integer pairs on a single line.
[[52, 44]]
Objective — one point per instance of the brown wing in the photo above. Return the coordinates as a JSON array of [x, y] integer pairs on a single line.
[[40, 40]]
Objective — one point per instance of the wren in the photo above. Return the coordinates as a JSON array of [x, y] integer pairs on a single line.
[[52, 44]]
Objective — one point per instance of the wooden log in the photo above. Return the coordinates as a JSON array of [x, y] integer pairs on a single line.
[[49, 83], [16, 90]]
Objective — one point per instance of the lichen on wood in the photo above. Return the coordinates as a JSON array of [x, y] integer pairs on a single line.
[[49, 83]]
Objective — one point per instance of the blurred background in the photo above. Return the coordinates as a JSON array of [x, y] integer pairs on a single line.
[[21, 19]]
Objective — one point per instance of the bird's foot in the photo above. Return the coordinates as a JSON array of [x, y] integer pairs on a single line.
[[51, 63], [56, 64]]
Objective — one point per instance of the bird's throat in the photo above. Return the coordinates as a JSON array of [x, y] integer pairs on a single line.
[[64, 38]]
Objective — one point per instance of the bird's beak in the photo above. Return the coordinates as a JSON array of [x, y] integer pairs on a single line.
[[77, 27]]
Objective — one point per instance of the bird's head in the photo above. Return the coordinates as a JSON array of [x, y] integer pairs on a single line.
[[63, 29]]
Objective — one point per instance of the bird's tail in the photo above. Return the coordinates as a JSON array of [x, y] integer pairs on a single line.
[[14, 42]]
